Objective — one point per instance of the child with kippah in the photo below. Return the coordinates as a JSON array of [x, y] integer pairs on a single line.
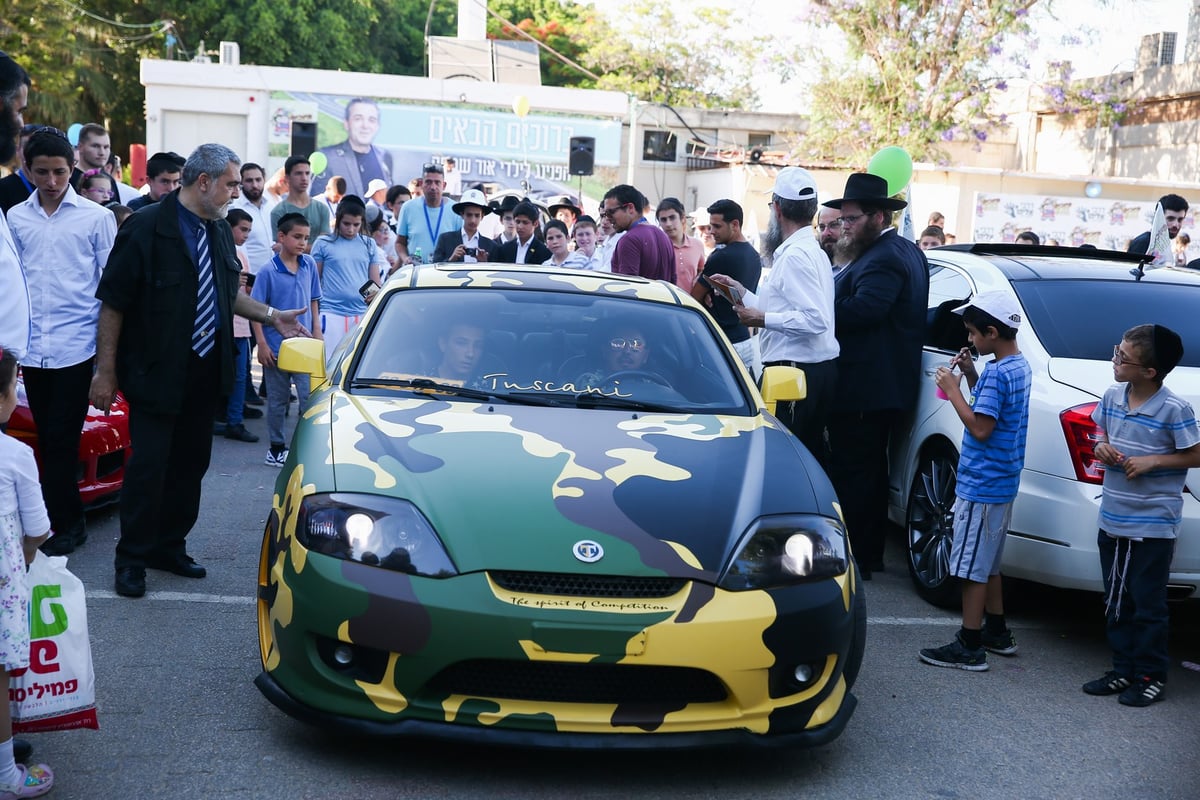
[[1150, 442]]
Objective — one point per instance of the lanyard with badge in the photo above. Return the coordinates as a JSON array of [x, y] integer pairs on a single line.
[[441, 210]]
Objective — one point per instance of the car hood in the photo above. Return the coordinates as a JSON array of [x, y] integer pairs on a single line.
[[515, 487], [1094, 377]]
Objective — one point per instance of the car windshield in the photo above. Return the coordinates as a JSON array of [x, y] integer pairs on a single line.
[[548, 348], [1085, 318]]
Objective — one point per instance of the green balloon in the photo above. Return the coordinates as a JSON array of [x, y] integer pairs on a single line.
[[318, 162], [894, 165]]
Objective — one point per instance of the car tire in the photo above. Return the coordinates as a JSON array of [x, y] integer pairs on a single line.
[[929, 525], [858, 644]]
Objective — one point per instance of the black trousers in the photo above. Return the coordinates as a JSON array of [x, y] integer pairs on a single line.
[[160, 500], [858, 469], [807, 418], [58, 401], [1138, 624]]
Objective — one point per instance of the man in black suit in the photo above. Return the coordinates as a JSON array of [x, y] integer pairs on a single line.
[[466, 244], [526, 248], [879, 304], [168, 295]]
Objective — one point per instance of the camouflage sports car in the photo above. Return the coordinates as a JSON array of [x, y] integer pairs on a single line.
[[551, 508]]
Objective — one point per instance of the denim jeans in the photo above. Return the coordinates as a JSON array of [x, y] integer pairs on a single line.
[[279, 385], [235, 411]]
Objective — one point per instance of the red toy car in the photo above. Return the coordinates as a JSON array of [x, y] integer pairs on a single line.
[[103, 449]]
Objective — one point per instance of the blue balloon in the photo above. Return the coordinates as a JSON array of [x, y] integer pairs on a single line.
[[73, 134]]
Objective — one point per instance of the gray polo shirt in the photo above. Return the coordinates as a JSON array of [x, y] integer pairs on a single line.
[[1151, 505]]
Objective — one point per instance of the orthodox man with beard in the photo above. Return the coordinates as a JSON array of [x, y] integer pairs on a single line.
[[879, 303], [794, 306]]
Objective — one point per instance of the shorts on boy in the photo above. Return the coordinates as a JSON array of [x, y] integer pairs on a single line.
[[979, 533]]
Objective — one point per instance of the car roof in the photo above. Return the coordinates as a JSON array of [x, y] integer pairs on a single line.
[[512, 276], [1036, 262]]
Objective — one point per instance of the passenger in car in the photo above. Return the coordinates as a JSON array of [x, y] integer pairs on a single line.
[[461, 351]]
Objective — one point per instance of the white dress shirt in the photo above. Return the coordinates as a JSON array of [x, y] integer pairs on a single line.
[[14, 296], [797, 298], [63, 255], [259, 244]]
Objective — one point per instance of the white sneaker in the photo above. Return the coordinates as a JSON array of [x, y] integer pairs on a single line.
[[274, 459]]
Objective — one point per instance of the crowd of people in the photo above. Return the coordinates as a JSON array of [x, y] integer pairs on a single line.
[[164, 294]]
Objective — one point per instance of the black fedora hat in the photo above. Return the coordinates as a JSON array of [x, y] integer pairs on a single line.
[[867, 189], [565, 201], [505, 204]]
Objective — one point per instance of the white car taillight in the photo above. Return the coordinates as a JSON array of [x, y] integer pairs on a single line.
[[1082, 437]]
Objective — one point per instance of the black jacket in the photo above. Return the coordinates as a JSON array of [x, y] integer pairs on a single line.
[[449, 240], [879, 305], [151, 279], [534, 257]]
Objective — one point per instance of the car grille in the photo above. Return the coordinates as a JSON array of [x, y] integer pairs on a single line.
[[587, 585], [550, 682]]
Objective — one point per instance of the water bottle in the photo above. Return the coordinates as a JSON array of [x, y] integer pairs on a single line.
[[417, 259]]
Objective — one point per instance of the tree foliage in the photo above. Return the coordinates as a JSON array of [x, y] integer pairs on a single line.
[[85, 68], [565, 27], [919, 73]]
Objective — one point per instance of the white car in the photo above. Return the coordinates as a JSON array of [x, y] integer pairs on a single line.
[[1077, 304]]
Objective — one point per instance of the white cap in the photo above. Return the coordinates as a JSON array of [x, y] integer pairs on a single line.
[[795, 183], [374, 186], [1001, 305]]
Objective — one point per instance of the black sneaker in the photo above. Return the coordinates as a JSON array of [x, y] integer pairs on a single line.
[[240, 434], [251, 413], [1143, 692], [1002, 644], [1111, 682], [956, 655]]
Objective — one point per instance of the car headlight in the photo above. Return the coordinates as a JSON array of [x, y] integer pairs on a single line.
[[776, 551], [378, 531]]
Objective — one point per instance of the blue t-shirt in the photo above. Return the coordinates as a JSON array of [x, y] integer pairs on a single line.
[[1149, 506], [277, 286], [422, 225], [989, 471], [345, 267]]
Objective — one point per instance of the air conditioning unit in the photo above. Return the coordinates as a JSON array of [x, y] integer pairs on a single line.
[[231, 54], [1157, 50]]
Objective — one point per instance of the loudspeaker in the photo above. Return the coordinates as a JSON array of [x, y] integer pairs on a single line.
[[582, 155], [304, 138]]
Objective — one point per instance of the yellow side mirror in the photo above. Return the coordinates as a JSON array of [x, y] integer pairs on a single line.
[[780, 384], [303, 355]]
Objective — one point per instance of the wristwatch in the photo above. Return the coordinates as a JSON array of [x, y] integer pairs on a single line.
[[270, 314]]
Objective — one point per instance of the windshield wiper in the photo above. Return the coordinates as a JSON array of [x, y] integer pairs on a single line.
[[591, 400], [427, 386]]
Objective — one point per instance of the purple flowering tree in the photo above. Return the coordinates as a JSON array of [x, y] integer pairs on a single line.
[[920, 73]]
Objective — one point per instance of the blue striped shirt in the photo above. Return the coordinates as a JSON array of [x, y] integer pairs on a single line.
[[1151, 505], [989, 470]]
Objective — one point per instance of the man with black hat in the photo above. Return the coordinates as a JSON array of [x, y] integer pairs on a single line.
[[880, 301], [566, 208], [468, 244]]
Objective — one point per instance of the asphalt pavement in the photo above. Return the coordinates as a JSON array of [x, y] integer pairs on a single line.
[[180, 717]]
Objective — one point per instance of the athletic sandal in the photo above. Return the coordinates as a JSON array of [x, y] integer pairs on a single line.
[[35, 782]]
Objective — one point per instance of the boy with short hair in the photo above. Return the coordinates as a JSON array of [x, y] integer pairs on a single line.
[[1150, 442], [526, 248], [989, 472], [289, 281], [586, 254]]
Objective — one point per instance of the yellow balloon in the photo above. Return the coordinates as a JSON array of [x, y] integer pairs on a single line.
[[520, 105]]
